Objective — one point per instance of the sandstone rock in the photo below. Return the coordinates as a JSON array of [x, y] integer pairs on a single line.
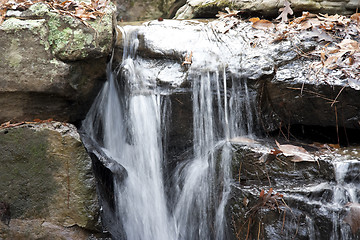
[[53, 59], [268, 8], [131, 10], [46, 174]]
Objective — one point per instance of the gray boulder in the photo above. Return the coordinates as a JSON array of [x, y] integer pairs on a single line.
[[47, 181], [52, 65]]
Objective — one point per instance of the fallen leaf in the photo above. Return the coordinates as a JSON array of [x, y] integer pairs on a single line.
[[254, 19], [299, 154], [353, 217], [349, 45], [262, 193], [188, 59], [336, 146], [2, 15], [263, 25], [305, 25], [285, 11], [355, 17], [305, 16], [327, 26]]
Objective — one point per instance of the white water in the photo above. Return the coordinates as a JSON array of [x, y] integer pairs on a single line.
[[129, 121]]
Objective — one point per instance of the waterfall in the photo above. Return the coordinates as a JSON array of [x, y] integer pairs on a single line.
[[128, 120]]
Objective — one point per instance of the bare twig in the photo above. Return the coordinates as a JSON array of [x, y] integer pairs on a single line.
[[338, 94]]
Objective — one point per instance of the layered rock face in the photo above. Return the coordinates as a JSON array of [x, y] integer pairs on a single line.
[[287, 88], [53, 65], [282, 198], [267, 8], [47, 182]]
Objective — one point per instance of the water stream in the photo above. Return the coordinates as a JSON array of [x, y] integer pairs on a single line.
[[129, 120]]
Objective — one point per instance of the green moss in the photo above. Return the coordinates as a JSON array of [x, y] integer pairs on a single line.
[[26, 172], [14, 56], [39, 9]]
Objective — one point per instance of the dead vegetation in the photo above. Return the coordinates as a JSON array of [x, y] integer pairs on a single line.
[[78, 9], [271, 201], [337, 35]]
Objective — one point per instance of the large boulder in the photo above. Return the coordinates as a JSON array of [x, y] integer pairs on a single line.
[[291, 85], [268, 8], [52, 64], [47, 183]]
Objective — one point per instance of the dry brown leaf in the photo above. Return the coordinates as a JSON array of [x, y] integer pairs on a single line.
[[299, 154], [254, 19], [355, 17], [285, 11], [263, 25], [305, 16], [188, 59], [2, 15], [353, 217], [305, 25], [349, 45], [331, 60], [327, 26], [332, 18], [335, 146]]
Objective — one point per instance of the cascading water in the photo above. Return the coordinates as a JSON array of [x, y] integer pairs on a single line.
[[130, 126], [187, 198], [126, 121]]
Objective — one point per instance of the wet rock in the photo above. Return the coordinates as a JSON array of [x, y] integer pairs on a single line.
[[288, 90], [311, 196], [109, 174], [53, 59], [291, 98], [46, 174], [268, 8]]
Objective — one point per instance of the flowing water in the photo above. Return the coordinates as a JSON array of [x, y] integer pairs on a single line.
[[127, 120]]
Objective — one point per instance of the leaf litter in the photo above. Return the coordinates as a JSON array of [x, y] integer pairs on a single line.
[[77, 9], [337, 56]]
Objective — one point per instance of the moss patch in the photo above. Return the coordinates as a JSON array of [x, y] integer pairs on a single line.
[[47, 174], [26, 172]]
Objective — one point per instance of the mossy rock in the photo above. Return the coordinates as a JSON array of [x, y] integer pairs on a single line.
[[47, 174], [52, 65]]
